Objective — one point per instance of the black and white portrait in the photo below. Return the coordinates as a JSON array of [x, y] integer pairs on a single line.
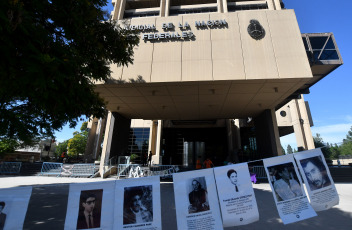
[[285, 182], [2, 215], [138, 205], [198, 195], [316, 172], [232, 175], [89, 214]]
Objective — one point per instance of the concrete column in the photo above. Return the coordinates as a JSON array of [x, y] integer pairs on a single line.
[[94, 139], [277, 4], [121, 9], [270, 4], [156, 156], [162, 8], [220, 7], [224, 6], [155, 140], [301, 124], [115, 139], [167, 8], [268, 139]]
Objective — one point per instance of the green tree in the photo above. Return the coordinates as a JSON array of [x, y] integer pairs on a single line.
[[8, 146], [318, 142], [335, 151], [77, 144], [289, 149], [346, 147], [283, 150], [52, 52], [61, 148]]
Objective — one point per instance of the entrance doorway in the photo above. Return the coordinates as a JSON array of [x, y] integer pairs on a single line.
[[183, 146]]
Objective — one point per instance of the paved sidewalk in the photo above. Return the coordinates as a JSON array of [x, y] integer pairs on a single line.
[[48, 204]]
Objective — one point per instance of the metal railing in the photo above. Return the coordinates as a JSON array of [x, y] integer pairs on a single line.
[[71, 170], [135, 170], [260, 172], [49, 168], [10, 167]]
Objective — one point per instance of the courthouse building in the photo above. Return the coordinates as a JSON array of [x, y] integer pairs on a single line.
[[211, 78]]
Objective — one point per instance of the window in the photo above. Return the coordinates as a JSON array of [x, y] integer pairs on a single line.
[[138, 141]]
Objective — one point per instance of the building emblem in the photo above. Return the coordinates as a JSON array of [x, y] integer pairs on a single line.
[[255, 30]]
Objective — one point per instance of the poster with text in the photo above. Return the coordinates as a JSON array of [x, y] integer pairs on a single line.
[[196, 199], [13, 207], [236, 195], [316, 175], [137, 204], [286, 185], [89, 206]]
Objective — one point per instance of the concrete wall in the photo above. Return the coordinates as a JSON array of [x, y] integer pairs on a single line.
[[220, 53]]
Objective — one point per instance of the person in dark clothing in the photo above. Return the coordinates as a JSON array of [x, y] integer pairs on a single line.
[[2, 215], [87, 218], [198, 198]]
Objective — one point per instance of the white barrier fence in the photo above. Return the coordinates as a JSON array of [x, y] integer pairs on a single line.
[[135, 170]]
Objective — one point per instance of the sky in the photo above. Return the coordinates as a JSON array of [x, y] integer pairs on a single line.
[[329, 100]]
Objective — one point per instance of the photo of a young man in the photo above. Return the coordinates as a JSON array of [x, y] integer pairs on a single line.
[[316, 173], [138, 205], [198, 197], [2, 215], [89, 214], [285, 181]]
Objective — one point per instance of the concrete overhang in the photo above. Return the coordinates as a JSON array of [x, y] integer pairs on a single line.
[[324, 57], [197, 100]]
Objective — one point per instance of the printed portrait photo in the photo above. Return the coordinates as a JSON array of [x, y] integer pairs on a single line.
[[2, 214], [138, 204], [315, 172], [197, 195], [285, 181], [233, 179], [89, 214]]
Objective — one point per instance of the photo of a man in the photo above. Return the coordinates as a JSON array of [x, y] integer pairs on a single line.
[[232, 175], [2, 215], [198, 197], [316, 173], [90, 209], [138, 205], [285, 181]]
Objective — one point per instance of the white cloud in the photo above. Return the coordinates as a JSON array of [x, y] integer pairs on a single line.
[[332, 133]]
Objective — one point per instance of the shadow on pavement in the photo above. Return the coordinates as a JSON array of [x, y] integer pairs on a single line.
[[48, 204]]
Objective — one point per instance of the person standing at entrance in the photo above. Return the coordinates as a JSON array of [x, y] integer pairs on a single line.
[[208, 163], [150, 158], [198, 164]]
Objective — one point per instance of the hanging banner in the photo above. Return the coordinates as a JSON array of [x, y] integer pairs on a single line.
[[13, 207], [236, 195], [89, 206], [290, 198], [196, 200], [316, 175], [137, 204]]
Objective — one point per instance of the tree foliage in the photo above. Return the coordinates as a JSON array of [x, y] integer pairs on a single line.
[[8, 146], [319, 142], [289, 149], [77, 144], [52, 52], [61, 148]]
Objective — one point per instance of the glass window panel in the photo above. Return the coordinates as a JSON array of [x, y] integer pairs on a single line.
[[330, 44], [317, 42], [329, 55]]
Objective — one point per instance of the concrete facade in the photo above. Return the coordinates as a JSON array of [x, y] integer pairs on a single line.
[[211, 73]]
